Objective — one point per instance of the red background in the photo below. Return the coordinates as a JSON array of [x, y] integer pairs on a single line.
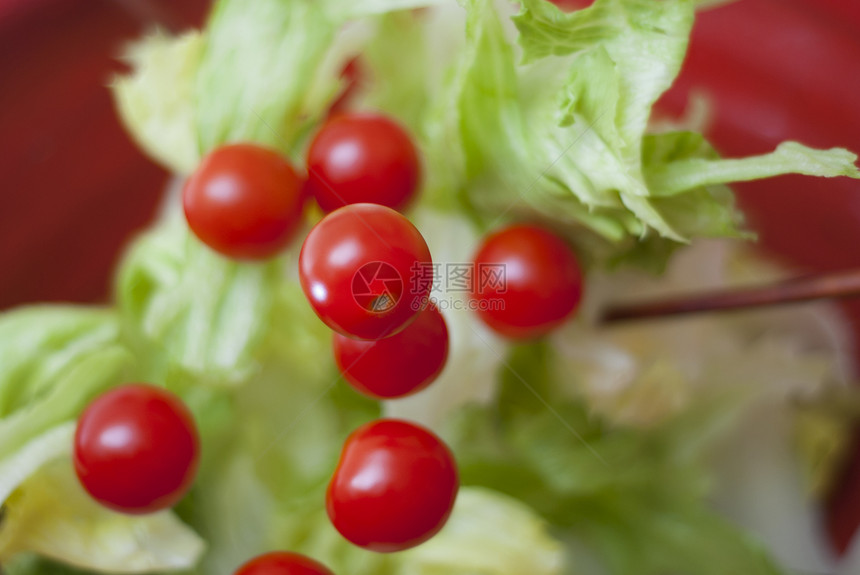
[[73, 188]]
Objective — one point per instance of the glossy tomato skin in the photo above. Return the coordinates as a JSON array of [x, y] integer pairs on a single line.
[[542, 287], [244, 201], [136, 449], [399, 365], [572, 5], [394, 487], [363, 158], [356, 267], [283, 563]]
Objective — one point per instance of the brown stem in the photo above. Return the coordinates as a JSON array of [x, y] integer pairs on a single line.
[[835, 285]]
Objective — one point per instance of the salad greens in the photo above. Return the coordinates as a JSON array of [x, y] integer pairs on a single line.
[[534, 114], [157, 101], [573, 152], [205, 314], [257, 69]]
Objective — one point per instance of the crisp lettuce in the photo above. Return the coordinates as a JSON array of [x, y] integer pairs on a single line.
[[38, 344], [192, 311], [156, 102], [256, 71], [45, 511], [679, 174], [72, 390], [488, 534], [562, 133], [16, 469], [52, 516]]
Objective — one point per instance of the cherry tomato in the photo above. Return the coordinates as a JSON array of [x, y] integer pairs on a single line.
[[136, 449], [244, 201], [356, 267], [572, 5], [394, 486], [282, 563], [528, 281], [399, 365], [357, 158]]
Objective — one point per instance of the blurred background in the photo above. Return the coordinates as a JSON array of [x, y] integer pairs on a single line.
[[74, 189]]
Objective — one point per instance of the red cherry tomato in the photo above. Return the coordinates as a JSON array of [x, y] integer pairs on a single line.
[[399, 365], [136, 449], [572, 5], [356, 267], [244, 201], [394, 486], [540, 285], [282, 563], [357, 158]]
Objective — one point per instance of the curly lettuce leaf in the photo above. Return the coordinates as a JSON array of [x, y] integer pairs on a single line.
[[52, 516], [205, 315], [488, 534], [156, 101], [258, 64], [562, 135], [348, 9], [398, 49], [71, 391], [39, 344], [680, 174]]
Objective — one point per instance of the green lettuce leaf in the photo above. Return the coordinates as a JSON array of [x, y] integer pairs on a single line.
[[487, 534], [191, 312], [562, 136], [348, 9], [17, 468], [73, 389], [680, 174], [399, 49], [156, 101], [257, 69], [39, 344], [52, 516]]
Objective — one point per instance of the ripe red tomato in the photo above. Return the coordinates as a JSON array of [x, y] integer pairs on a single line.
[[572, 5], [540, 286], [282, 563], [357, 158], [136, 449], [399, 365], [394, 486], [356, 267], [244, 201]]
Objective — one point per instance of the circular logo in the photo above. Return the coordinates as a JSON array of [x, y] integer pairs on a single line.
[[377, 287]]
